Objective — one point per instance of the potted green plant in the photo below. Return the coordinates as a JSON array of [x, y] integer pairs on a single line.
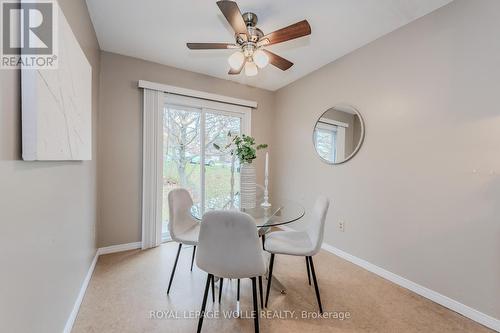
[[245, 149]]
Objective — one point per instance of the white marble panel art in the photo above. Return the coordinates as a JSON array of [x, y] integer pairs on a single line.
[[57, 104]]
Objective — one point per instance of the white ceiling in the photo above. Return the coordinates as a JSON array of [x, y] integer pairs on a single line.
[[157, 30]]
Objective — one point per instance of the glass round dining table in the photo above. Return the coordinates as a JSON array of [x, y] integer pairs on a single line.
[[280, 212]]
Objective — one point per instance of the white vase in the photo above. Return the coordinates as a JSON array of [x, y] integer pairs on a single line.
[[248, 187]]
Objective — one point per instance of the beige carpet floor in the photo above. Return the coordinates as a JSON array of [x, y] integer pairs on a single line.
[[127, 293]]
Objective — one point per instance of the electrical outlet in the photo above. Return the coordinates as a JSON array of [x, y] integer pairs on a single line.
[[342, 226]]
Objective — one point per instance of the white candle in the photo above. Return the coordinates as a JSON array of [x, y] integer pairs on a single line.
[[267, 164]]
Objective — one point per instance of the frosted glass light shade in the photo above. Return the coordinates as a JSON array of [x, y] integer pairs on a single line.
[[260, 58], [251, 69], [236, 60]]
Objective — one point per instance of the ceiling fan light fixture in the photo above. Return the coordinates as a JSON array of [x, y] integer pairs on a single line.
[[236, 60], [251, 68], [249, 40], [260, 58]]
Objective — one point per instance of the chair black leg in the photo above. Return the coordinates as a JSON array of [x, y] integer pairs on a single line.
[[192, 258], [263, 241], [260, 292], [220, 288], [255, 306], [173, 269], [268, 289], [238, 293], [316, 287], [204, 303], [213, 290], [308, 271]]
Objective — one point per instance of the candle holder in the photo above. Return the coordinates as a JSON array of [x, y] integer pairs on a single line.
[[266, 193], [266, 203]]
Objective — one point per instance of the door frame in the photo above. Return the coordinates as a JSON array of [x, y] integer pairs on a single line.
[[204, 106]]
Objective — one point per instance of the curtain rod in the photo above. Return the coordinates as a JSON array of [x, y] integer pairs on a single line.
[[195, 93]]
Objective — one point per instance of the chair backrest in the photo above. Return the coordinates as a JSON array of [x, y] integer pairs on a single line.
[[316, 228], [180, 219], [228, 245]]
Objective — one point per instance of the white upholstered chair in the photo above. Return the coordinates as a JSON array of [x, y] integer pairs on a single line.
[[300, 243], [229, 247], [259, 195], [183, 228]]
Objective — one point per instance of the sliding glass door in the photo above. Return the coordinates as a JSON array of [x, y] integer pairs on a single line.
[[190, 160], [181, 150], [219, 165]]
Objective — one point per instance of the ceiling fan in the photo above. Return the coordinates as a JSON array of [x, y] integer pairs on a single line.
[[250, 41]]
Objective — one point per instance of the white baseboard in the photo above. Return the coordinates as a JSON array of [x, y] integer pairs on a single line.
[[434, 296], [100, 251], [79, 298], [119, 248]]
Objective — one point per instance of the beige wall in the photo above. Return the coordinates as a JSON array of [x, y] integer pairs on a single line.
[[429, 96], [120, 136], [47, 211], [410, 200]]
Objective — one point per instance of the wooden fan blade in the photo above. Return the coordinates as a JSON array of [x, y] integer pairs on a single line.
[[210, 46], [278, 61], [236, 71], [296, 30], [233, 15]]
